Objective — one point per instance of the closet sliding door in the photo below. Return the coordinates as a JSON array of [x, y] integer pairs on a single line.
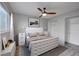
[[74, 31]]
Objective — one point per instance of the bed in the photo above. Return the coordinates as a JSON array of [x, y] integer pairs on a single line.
[[41, 43]]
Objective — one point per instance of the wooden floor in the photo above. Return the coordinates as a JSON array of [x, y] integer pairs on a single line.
[[17, 51], [55, 52], [23, 51]]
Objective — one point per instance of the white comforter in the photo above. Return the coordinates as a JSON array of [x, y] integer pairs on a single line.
[[40, 46]]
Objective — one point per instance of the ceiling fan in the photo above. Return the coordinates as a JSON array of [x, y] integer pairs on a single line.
[[44, 12]]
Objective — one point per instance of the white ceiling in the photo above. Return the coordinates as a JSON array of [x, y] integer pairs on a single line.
[[30, 8]]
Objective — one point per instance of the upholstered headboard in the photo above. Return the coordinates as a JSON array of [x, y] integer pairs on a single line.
[[33, 30]]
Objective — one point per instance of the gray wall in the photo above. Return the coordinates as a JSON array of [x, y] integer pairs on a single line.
[[56, 25], [21, 22]]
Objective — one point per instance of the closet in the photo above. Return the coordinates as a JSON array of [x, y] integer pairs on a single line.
[[72, 30]]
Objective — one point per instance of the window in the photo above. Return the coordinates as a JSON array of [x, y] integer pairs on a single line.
[[4, 20]]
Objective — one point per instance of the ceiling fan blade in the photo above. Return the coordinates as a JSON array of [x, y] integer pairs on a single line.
[[39, 9], [40, 16], [51, 12]]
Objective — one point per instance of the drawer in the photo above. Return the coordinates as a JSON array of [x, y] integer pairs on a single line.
[[21, 43]]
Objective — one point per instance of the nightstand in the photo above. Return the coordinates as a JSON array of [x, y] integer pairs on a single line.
[[21, 39]]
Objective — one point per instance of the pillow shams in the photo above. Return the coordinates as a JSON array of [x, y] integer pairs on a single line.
[[32, 34]]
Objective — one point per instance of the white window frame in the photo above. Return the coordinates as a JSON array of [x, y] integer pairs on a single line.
[[7, 21]]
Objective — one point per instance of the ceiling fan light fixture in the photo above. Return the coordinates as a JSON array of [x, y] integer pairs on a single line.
[[44, 14]]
